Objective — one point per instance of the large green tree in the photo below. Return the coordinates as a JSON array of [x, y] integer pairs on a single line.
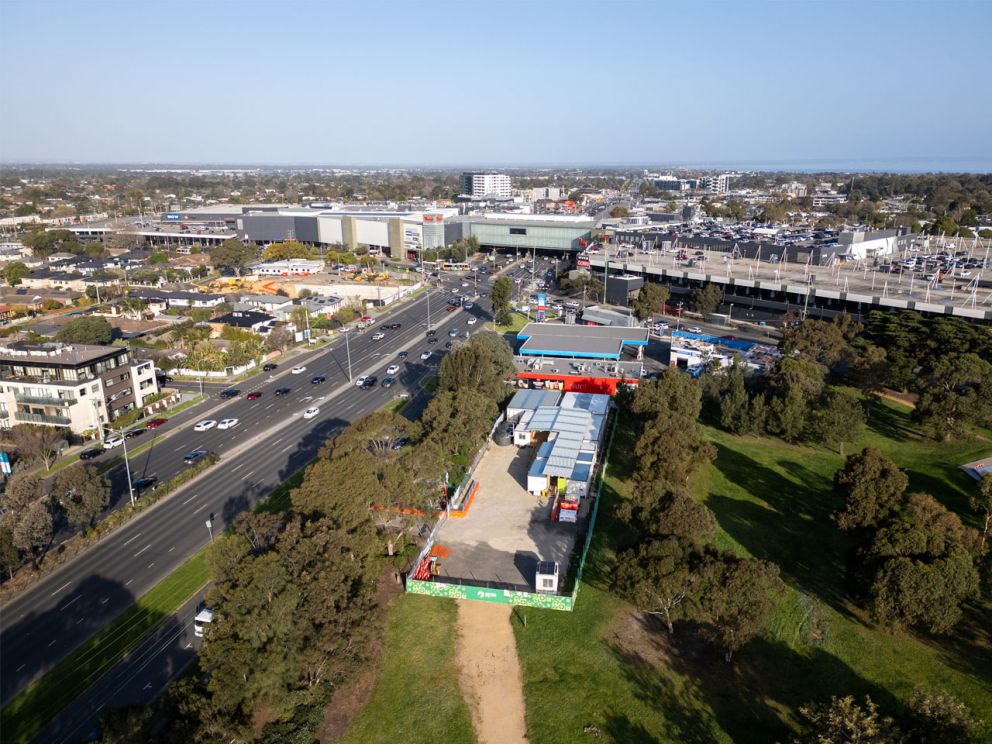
[[14, 272], [955, 395], [870, 485], [845, 721], [287, 250], [839, 417], [44, 243], [982, 503], [660, 578], [501, 292], [90, 329], [706, 299], [651, 299], [233, 255], [82, 493]]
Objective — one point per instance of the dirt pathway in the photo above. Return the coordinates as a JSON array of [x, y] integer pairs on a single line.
[[489, 672]]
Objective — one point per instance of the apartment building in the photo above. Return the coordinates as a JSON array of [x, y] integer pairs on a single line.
[[481, 185], [71, 385]]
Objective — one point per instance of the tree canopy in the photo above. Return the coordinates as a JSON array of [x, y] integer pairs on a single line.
[[90, 329]]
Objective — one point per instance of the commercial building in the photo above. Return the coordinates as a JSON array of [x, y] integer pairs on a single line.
[[78, 386], [289, 267], [858, 244], [543, 233], [716, 184], [484, 185], [580, 342]]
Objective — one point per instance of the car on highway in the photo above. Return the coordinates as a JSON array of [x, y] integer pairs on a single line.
[[143, 484], [370, 382], [451, 308], [388, 382], [155, 423], [392, 369], [194, 456], [228, 423], [694, 329], [269, 367], [403, 354], [432, 340], [473, 321], [299, 370], [395, 326], [282, 391], [318, 379], [230, 393], [253, 396], [448, 344], [378, 336], [91, 453], [360, 382], [469, 305], [311, 412], [426, 355], [205, 425], [430, 333], [114, 441], [452, 333], [135, 432]]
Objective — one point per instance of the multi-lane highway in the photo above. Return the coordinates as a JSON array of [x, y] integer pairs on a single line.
[[272, 441]]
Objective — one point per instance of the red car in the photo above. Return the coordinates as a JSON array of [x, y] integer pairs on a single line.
[[729, 338], [155, 423], [451, 308], [253, 396]]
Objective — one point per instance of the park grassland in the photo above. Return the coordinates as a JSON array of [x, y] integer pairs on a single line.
[[416, 696], [601, 666]]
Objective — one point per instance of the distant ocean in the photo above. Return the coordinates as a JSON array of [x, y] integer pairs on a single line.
[[883, 165]]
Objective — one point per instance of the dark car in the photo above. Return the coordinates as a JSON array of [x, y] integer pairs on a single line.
[[395, 326], [269, 367], [155, 423], [403, 354], [317, 379], [388, 381], [194, 456], [230, 393], [400, 443], [385, 327], [370, 382], [144, 483], [448, 345], [253, 396], [135, 433], [91, 453], [282, 391], [432, 340], [431, 332]]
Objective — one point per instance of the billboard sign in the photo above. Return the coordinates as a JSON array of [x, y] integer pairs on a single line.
[[173, 216], [542, 307]]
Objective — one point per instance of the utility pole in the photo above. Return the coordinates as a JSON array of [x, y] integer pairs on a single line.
[[347, 347]]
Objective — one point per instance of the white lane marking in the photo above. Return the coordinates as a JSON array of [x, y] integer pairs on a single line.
[[190, 498], [200, 508], [128, 582], [248, 475], [172, 548], [60, 588], [51, 644], [151, 564], [142, 550], [105, 600], [236, 469], [66, 605], [288, 447], [269, 406], [131, 540], [20, 667], [180, 447], [79, 621]]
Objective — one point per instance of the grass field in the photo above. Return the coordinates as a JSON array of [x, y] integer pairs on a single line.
[[24, 716], [416, 696], [602, 666], [519, 321]]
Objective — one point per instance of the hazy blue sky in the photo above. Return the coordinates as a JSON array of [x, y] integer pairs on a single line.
[[508, 83]]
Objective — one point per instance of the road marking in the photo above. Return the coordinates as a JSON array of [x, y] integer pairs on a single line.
[[200, 508], [51, 644], [248, 475], [269, 406], [236, 469], [66, 605], [148, 686], [105, 600], [20, 667], [131, 540], [190, 498], [172, 548], [60, 588], [151, 564], [142, 550], [188, 645], [180, 447], [79, 621], [128, 582]]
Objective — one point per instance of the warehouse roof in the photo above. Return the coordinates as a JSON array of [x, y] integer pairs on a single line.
[[595, 342]]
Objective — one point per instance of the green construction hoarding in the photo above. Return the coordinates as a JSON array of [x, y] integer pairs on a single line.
[[482, 594]]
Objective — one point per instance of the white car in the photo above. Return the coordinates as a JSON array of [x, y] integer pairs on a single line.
[[205, 425], [299, 370], [111, 442], [311, 412], [469, 305], [426, 355], [228, 423], [361, 380], [392, 369], [378, 336], [472, 321], [694, 329]]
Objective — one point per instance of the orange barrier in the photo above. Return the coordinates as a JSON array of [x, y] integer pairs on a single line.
[[461, 513]]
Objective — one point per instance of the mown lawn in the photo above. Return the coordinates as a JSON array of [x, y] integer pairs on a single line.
[[416, 696], [603, 667]]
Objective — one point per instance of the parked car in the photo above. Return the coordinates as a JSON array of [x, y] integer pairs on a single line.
[[91, 453], [451, 308], [143, 484], [269, 367], [205, 425], [155, 423], [114, 441], [194, 456]]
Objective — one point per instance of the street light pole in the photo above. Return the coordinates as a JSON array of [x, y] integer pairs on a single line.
[[210, 528], [127, 468], [347, 347]]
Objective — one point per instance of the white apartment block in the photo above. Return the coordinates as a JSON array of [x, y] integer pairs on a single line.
[[482, 185]]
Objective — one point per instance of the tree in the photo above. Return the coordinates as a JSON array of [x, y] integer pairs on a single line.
[[938, 718], [502, 289], [982, 503], [839, 417], [870, 485], [82, 493], [89, 329], [483, 365], [651, 299], [44, 243], [706, 299], [734, 409], [10, 557], [827, 343], [736, 599], [668, 452], [233, 255], [671, 394], [844, 721], [36, 442], [159, 257], [287, 250], [659, 577], [618, 212], [125, 725], [14, 272], [33, 530], [459, 420], [957, 393], [278, 339]]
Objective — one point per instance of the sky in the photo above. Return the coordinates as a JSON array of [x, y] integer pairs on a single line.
[[496, 84]]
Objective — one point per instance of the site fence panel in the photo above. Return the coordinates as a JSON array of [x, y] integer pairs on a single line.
[[484, 594]]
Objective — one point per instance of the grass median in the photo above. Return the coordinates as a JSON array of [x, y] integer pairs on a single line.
[[25, 715]]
